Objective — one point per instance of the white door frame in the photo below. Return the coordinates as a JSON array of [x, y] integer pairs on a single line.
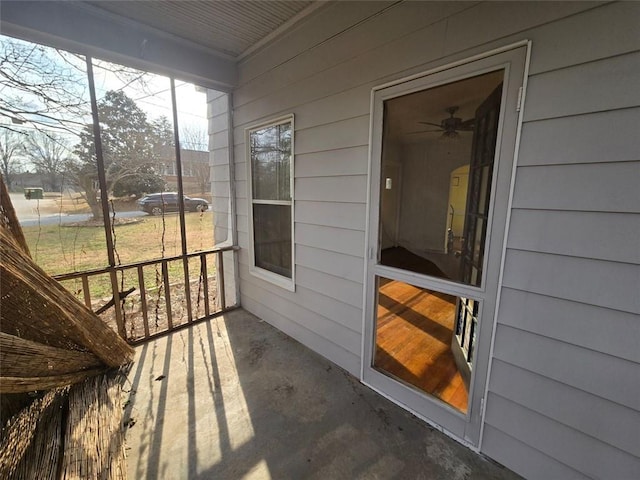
[[464, 427]]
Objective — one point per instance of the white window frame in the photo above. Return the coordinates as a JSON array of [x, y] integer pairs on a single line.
[[267, 275]]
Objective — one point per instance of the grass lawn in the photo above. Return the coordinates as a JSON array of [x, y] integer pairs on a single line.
[[73, 248]]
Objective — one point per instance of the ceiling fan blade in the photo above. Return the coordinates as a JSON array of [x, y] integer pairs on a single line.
[[432, 124], [424, 131], [468, 123]]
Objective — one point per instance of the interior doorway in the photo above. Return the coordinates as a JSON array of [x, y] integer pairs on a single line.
[[432, 284], [457, 204]]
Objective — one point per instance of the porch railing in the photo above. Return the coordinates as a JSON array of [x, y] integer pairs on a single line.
[[177, 298]]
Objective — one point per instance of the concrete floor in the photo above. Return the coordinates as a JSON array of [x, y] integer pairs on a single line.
[[235, 398]]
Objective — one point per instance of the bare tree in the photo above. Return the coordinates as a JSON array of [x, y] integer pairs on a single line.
[[195, 139], [41, 86], [202, 172], [49, 154], [10, 148], [47, 88]]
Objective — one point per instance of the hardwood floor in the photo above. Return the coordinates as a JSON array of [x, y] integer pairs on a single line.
[[413, 340]]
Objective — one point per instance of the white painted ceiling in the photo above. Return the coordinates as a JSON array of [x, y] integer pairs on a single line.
[[226, 27], [403, 114]]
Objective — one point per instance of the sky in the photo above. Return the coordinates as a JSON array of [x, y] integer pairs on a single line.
[[152, 95]]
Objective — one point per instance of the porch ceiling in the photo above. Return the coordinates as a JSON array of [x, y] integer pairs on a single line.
[[197, 41], [223, 26]]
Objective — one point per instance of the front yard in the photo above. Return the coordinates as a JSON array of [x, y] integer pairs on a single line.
[[63, 248]]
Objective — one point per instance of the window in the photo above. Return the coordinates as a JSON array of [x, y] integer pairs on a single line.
[[270, 168]]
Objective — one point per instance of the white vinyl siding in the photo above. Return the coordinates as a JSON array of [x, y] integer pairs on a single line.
[[218, 112], [564, 387], [223, 195], [571, 267], [326, 81]]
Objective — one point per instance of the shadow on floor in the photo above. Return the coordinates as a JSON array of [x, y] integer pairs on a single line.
[[235, 398]]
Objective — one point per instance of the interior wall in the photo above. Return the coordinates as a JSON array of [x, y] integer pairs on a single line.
[[427, 168], [390, 207]]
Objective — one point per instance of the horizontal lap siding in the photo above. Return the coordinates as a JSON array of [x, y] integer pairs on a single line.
[[528, 462], [348, 188], [565, 379], [301, 315], [308, 35], [563, 232], [338, 162], [333, 263], [329, 235], [578, 367], [585, 38], [617, 131], [221, 163], [581, 324], [612, 285], [355, 43], [585, 454], [340, 288], [621, 428], [293, 328], [565, 92], [579, 187], [574, 217], [343, 328], [331, 164], [340, 240], [351, 216]]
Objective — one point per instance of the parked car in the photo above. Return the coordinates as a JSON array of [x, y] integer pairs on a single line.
[[157, 203]]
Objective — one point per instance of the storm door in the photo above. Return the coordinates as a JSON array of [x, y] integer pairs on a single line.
[[430, 304]]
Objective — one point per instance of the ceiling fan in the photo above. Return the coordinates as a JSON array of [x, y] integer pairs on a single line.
[[451, 125]]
